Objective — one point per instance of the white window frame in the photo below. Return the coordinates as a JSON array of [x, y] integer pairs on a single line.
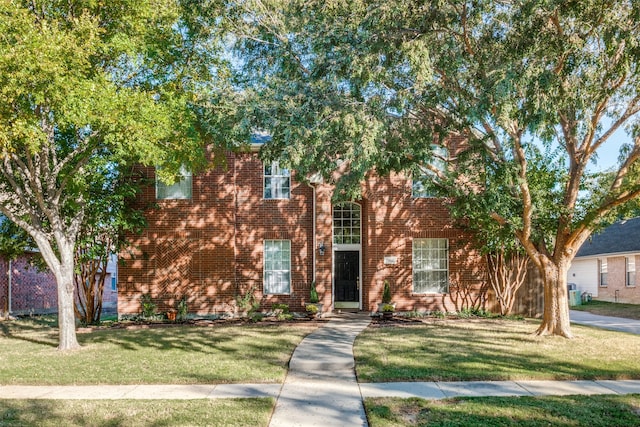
[[182, 189], [630, 271], [347, 230], [277, 267], [603, 271], [430, 257], [276, 182]]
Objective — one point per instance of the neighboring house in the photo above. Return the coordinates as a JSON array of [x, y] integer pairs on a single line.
[[254, 227], [605, 265], [27, 289], [110, 292]]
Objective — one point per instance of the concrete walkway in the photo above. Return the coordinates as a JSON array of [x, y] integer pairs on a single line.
[[605, 322], [321, 387]]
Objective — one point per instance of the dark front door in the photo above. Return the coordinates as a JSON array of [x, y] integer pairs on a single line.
[[347, 276]]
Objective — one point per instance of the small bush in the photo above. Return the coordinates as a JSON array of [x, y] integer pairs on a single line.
[[388, 308], [284, 316], [386, 293], [256, 317], [281, 307], [312, 309], [183, 309], [313, 293], [148, 306]]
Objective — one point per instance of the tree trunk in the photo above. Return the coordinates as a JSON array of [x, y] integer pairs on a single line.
[[555, 319], [66, 312]]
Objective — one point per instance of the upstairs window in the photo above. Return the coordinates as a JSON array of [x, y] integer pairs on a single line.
[[631, 271], [421, 183], [277, 182], [181, 189]]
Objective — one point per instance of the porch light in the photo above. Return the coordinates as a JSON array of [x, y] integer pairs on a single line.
[[321, 248]]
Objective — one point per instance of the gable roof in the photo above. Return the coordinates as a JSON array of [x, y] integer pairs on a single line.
[[623, 236]]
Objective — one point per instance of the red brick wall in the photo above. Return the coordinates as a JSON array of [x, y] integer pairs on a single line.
[[617, 289], [210, 248], [393, 218], [32, 290]]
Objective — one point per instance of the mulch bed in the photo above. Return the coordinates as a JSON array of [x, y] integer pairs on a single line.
[[139, 324]]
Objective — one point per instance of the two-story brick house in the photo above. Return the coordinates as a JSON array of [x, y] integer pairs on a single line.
[[258, 228]]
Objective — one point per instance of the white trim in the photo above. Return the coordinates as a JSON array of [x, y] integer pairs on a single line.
[[339, 247]]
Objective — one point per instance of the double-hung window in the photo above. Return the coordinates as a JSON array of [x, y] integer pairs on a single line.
[[277, 182], [181, 189], [603, 270], [277, 266], [631, 271], [430, 266]]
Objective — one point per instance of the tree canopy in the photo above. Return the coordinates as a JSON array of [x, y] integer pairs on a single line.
[[85, 85], [533, 88]]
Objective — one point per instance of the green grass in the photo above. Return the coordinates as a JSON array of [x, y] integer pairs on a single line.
[[592, 411], [467, 350], [614, 309], [134, 413], [169, 355]]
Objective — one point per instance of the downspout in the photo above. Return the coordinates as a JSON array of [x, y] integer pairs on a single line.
[[313, 249], [9, 289]]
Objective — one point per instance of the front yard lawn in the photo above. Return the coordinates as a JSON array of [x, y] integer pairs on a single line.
[[169, 355], [488, 349], [614, 309], [591, 411], [136, 413]]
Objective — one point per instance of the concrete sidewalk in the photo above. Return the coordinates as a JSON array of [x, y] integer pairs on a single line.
[[315, 388], [605, 322]]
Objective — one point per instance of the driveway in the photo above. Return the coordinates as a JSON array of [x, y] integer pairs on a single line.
[[605, 322]]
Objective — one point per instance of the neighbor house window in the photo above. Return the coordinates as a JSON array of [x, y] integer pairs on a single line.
[[631, 271], [430, 266], [277, 182], [421, 186], [181, 189], [602, 263], [277, 266]]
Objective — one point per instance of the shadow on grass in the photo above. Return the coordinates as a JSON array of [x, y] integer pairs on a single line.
[[488, 351], [33, 331], [135, 413], [621, 411]]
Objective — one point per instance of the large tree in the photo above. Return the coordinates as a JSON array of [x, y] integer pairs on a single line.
[[81, 80], [536, 89]]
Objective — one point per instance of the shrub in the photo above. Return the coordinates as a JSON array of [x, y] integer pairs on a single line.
[[284, 308], [313, 293], [386, 293], [183, 309], [249, 302], [388, 308], [312, 309], [148, 306]]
